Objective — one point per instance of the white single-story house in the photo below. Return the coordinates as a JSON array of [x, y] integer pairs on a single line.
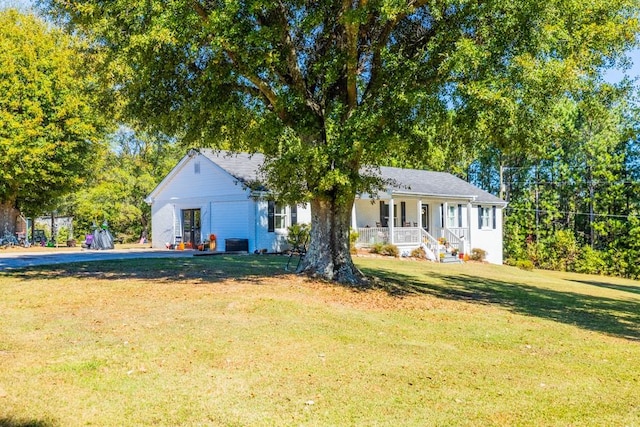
[[211, 192]]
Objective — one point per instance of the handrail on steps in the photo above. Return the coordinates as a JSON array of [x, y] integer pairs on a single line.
[[432, 243], [453, 240]]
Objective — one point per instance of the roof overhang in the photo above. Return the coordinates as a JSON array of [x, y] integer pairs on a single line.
[[385, 195], [434, 196]]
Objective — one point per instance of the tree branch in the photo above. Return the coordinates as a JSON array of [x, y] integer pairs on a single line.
[[264, 88], [200, 10], [352, 30], [291, 55], [381, 42], [297, 79]]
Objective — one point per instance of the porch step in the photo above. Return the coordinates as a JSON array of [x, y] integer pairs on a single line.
[[450, 259]]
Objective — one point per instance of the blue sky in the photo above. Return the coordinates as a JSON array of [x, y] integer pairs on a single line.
[[615, 76]]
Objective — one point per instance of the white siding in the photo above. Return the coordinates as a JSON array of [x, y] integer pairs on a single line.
[[367, 213], [162, 225], [262, 236], [231, 220], [489, 239], [225, 205], [304, 214], [227, 210], [274, 241]]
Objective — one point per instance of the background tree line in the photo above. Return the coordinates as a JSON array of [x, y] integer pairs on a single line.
[[574, 203], [129, 167]]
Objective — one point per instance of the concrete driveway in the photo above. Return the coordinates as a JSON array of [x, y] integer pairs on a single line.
[[10, 259]]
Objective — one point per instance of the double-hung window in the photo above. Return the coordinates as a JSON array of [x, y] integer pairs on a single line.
[[452, 216], [486, 217], [281, 216]]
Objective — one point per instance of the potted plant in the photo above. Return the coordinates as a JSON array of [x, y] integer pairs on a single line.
[[212, 242]]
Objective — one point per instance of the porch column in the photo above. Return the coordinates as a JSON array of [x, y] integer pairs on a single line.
[[391, 222], [468, 242], [445, 215], [354, 222], [419, 214]]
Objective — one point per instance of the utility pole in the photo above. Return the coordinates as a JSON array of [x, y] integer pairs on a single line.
[[592, 232], [502, 186], [537, 203]]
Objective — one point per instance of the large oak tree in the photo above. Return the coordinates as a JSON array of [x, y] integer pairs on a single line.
[[326, 88]]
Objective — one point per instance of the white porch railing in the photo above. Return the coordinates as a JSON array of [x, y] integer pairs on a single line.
[[413, 236], [430, 241], [453, 240], [369, 236], [455, 233], [401, 236], [407, 235]]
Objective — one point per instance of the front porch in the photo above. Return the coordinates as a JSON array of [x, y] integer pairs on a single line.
[[442, 226], [409, 238]]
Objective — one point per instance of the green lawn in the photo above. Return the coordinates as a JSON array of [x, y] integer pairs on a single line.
[[236, 341]]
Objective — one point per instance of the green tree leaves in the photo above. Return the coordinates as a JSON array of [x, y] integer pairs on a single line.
[[48, 125], [123, 177], [583, 184]]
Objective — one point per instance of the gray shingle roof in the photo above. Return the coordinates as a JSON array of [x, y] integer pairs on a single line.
[[242, 166], [247, 169], [437, 184]]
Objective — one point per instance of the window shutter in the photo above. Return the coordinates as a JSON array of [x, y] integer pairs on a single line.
[[493, 216], [271, 219], [383, 222], [403, 213], [460, 216], [479, 217], [294, 214], [441, 215]]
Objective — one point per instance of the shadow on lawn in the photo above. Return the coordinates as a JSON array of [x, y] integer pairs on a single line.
[[611, 316], [623, 288], [607, 315], [163, 270], [12, 422]]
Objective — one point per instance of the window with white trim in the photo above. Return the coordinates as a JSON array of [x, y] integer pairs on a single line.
[[280, 216], [452, 216], [486, 217]]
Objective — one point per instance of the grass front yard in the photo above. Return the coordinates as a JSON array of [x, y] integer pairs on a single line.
[[236, 341]]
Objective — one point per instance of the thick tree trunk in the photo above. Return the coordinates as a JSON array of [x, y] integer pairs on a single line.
[[8, 217], [145, 228], [328, 255]]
